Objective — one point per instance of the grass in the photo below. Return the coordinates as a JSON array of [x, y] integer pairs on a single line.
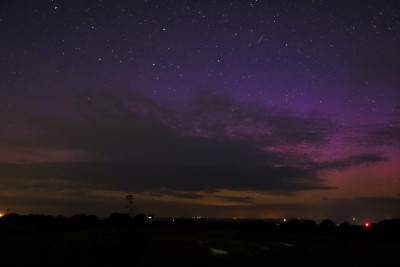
[[89, 247], [197, 247], [167, 246]]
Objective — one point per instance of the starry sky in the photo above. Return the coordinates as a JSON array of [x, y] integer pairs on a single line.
[[266, 109]]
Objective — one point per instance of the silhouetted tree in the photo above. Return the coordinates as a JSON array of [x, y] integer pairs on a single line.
[[327, 225], [141, 218], [292, 225], [130, 205], [119, 219], [345, 225], [11, 218], [308, 225], [391, 226]]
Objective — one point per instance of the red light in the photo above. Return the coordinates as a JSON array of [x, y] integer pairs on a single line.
[[284, 220], [367, 224]]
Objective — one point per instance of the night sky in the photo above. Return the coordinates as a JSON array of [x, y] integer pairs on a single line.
[[267, 109]]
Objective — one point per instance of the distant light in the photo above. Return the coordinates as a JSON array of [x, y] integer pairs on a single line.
[[149, 217], [1, 215], [367, 224], [284, 220]]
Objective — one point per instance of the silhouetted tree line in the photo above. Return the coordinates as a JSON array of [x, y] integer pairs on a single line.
[[80, 221], [34, 222], [80, 240], [390, 227], [383, 229]]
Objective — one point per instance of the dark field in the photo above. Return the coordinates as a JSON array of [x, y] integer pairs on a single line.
[[163, 244], [235, 247]]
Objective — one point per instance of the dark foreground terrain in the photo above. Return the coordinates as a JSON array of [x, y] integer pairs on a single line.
[[84, 241]]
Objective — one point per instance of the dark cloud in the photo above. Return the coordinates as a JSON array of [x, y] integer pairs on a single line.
[[236, 199], [219, 116], [378, 134], [106, 116], [126, 176], [175, 193], [383, 134], [138, 145], [353, 161], [188, 195]]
